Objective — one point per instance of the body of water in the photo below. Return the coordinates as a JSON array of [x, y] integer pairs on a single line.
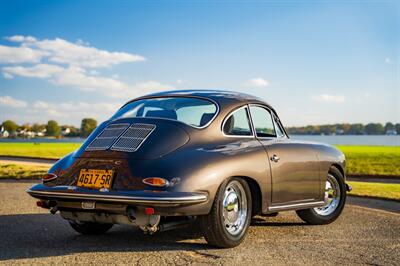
[[374, 140]]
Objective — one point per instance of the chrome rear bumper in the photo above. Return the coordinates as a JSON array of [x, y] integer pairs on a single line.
[[149, 198]]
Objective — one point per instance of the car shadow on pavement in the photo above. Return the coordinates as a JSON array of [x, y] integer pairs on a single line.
[[42, 235]]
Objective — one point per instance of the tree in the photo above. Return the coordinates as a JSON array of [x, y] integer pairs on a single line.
[[356, 129], [87, 126], [38, 127], [374, 129], [398, 128], [389, 126], [10, 126], [53, 129]]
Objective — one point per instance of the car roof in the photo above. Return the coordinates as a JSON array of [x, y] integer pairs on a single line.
[[222, 97]]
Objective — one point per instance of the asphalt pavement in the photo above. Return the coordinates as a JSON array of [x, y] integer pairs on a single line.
[[29, 235]]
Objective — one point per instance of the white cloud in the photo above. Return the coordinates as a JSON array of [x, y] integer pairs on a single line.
[[37, 71], [20, 38], [7, 76], [8, 101], [388, 61], [22, 54], [73, 65], [78, 78], [74, 111], [329, 98], [257, 82], [62, 52], [179, 81]]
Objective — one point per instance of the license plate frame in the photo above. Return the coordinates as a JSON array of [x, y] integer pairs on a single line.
[[95, 178]]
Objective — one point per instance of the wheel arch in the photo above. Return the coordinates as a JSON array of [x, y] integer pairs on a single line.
[[340, 168], [256, 195]]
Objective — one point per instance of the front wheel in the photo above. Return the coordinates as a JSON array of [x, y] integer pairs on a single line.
[[335, 198], [90, 228], [227, 223]]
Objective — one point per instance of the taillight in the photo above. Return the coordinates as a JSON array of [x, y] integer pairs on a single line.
[[156, 182], [49, 177]]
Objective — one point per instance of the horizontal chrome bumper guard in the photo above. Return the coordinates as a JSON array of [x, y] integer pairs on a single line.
[[117, 198]]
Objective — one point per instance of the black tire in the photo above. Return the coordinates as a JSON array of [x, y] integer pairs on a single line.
[[311, 216], [214, 230], [90, 228]]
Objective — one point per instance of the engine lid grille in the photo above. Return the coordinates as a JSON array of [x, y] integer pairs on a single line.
[[133, 137], [121, 137]]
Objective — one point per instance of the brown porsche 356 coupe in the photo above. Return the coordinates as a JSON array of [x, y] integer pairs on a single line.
[[214, 157]]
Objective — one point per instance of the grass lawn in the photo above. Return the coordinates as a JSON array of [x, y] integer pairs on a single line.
[[22, 171], [376, 190], [372, 160], [42, 150]]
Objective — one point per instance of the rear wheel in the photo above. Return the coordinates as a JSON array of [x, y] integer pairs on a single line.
[[90, 228], [227, 223], [335, 198]]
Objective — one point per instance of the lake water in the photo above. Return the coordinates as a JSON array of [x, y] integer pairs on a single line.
[[378, 140], [374, 140]]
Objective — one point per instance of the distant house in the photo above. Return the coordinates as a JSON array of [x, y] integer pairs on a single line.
[[391, 132], [65, 131], [4, 133]]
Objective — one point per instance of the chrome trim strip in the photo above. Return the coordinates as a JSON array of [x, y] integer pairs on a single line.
[[128, 199], [273, 115], [296, 206]]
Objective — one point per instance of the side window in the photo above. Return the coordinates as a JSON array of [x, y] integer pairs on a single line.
[[262, 121], [238, 123], [279, 131]]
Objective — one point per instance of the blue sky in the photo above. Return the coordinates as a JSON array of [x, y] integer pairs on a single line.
[[315, 62]]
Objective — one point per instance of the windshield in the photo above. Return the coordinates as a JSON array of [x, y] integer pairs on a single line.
[[192, 111]]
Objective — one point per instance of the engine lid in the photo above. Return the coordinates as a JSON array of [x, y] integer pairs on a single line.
[[136, 138]]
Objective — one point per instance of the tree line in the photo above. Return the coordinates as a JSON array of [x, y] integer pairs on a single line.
[[51, 129], [347, 129]]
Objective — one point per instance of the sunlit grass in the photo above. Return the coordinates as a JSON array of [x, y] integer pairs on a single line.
[[376, 190], [22, 171], [372, 160], [41, 150]]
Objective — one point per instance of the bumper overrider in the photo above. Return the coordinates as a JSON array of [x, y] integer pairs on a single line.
[[137, 198]]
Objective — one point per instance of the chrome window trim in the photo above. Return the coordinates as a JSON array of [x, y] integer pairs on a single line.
[[252, 136], [273, 116], [179, 96], [277, 123]]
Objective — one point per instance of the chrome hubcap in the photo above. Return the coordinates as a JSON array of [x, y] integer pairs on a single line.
[[332, 197], [234, 209]]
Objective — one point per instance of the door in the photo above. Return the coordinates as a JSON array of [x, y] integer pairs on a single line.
[[294, 164]]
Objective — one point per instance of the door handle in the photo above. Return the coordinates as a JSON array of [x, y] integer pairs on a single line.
[[275, 158]]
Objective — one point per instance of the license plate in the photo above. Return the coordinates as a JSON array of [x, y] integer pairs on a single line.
[[95, 178]]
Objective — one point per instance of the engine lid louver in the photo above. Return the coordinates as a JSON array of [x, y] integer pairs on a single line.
[[121, 137]]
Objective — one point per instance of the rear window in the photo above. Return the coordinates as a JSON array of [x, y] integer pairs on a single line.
[[192, 111]]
